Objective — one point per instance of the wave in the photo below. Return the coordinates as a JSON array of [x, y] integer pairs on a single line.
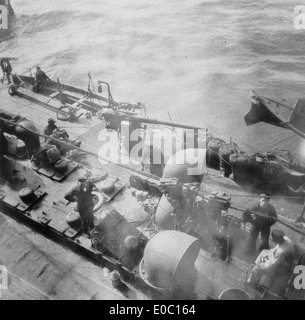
[[198, 55], [29, 25]]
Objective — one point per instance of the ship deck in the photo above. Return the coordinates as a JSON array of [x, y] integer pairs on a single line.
[[75, 271], [39, 261]]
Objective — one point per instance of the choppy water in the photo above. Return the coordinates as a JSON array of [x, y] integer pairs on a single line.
[[197, 60]]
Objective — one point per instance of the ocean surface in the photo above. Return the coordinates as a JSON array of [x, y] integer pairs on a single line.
[[194, 61]]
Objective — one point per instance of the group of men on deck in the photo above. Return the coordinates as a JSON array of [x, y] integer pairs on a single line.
[[41, 77], [262, 216], [270, 263]]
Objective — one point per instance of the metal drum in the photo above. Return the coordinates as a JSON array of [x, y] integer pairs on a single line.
[[168, 262]]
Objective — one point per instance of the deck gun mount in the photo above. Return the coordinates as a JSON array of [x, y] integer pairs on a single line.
[[218, 203]]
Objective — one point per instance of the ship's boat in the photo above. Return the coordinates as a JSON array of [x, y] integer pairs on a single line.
[[278, 114], [70, 102], [280, 170], [270, 171]]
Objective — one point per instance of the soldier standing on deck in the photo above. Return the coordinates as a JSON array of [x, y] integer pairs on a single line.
[[261, 223], [82, 195]]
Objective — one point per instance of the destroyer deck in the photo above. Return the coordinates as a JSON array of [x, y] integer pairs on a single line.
[[87, 131], [42, 271], [30, 246]]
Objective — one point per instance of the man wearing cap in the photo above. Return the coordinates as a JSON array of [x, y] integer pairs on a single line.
[[40, 79], [49, 129], [82, 195], [262, 216], [275, 262]]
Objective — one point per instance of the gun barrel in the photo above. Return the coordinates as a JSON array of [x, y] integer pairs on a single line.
[[168, 123]]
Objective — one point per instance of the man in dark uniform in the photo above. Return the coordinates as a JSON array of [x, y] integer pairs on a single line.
[[82, 195], [40, 79], [49, 129], [262, 216], [3, 151], [3, 144]]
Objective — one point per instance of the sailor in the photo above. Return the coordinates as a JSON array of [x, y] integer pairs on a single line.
[[49, 129], [61, 135], [262, 216], [3, 152], [223, 243], [274, 263], [6, 69], [82, 195], [3, 144], [40, 79]]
